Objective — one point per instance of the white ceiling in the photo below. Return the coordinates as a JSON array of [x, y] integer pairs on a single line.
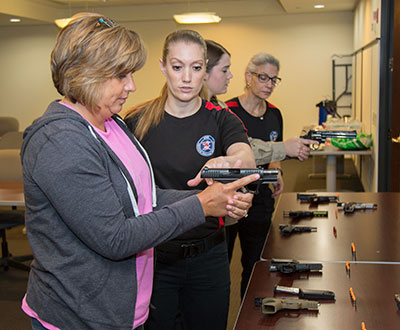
[[45, 11]]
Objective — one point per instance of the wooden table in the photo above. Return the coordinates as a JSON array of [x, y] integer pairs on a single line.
[[374, 272], [375, 233], [374, 287], [331, 152], [11, 194]]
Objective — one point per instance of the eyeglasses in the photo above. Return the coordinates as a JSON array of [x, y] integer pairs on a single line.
[[264, 78]]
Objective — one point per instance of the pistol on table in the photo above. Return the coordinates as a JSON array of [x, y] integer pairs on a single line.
[[353, 206], [321, 136], [304, 214], [306, 293], [226, 175], [288, 266], [289, 229], [316, 199], [272, 305]]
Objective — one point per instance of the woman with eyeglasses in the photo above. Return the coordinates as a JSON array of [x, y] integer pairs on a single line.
[[93, 211], [217, 80], [263, 121]]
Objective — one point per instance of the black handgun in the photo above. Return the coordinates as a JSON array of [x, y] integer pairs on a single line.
[[289, 229], [226, 175], [316, 199], [353, 206], [304, 214], [321, 136], [292, 266]]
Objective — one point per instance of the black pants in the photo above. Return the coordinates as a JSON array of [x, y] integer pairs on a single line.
[[193, 291], [252, 232]]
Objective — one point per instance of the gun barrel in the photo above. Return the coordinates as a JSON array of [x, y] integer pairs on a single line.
[[321, 135], [339, 134], [350, 207], [233, 174], [307, 198], [316, 199], [287, 229], [288, 268], [304, 214]]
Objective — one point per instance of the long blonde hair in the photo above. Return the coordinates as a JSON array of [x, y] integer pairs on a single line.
[[151, 112]]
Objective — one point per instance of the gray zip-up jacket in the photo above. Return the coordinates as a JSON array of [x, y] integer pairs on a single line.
[[83, 224]]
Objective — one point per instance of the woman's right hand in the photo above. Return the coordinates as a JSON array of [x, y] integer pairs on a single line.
[[224, 199], [298, 148]]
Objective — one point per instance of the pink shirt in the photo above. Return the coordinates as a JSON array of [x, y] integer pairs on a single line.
[[137, 167]]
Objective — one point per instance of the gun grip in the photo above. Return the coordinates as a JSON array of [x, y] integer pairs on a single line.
[[270, 305]]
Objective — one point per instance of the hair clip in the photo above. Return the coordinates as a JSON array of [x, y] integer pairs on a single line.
[[106, 21]]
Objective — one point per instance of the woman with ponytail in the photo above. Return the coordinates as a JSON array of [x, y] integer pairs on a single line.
[[182, 133]]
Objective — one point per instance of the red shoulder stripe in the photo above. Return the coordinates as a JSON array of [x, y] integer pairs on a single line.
[[211, 106], [271, 105], [232, 104]]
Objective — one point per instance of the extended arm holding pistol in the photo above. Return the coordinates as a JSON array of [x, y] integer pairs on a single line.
[[226, 175], [321, 136], [272, 305]]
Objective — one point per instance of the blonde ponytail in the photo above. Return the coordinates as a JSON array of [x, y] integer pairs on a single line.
[[149, 113]]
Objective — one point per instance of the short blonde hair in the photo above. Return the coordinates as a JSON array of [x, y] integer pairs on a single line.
[[90, 50], [261, 59]]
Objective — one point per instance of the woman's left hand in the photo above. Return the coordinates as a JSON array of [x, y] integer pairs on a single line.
[[240, 205]]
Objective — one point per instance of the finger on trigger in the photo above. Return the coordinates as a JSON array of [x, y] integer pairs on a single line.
[[244, 181]]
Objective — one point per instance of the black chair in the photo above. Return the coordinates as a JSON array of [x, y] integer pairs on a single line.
[[11, 140], [10, 219], [8, 124]]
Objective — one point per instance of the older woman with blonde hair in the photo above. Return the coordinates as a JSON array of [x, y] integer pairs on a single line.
[[93, 212], [263, 121]]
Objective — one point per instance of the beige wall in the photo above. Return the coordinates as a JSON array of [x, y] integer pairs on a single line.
[[304, 44], [366, 85]]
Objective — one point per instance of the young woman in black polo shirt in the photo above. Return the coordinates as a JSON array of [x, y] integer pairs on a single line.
[[182, 133]]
